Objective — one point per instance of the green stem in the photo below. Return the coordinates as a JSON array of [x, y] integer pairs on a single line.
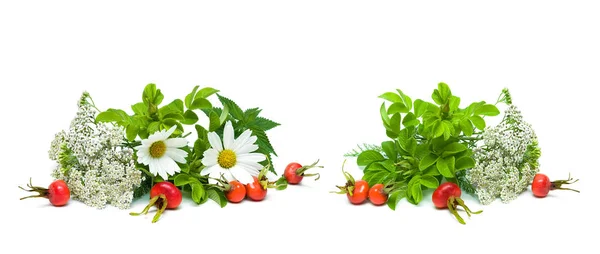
[[162, 208]]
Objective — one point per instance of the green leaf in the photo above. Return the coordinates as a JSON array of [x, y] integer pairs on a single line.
[[454, 103], [465, 163], [395, 197], [152, 95], [444, 91], [114, 115], [395, 123], [405, 99], [251, 114], [198, 193], [391, 97], [190, 97], [427, 161], [214, 121], [478, 122], [398, 107], [205, 92], [417, 193], [139, 108], [446, 167], [467, 127], [438, 128], [217, 195], [262, 124], [132, 131], [367, 157], [384, 115], [420, 107], [184, 179], [175, 107], [200, 103], [281, 184], [389, 148], [410, 120], [487, 110], [437, 98], [233, 108], [201, 131], [429, 181], [263, 143], [453, 148], [189, 117]]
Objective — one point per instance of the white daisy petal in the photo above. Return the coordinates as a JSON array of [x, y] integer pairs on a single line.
[[175, 156], [210, 170], [228, 136], [215, 141], [246, 149], [170, 131], [251, 166], [256, 157], [210, 157], [154, 166], [241, 140], [176, 142], [241, 175]]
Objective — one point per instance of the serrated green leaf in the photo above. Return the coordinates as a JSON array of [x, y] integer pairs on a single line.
[[397, 107], [262, 124], [233, 108], [190, 97], [217, 195], [465, 163], [367, 157], [389, 148], [429, 181], [391, 97], [478, 122], [427, 161], [198, 193], [251, 114], [189, 117], [205, 93], [263, 142], [420, 107], [487, 110]]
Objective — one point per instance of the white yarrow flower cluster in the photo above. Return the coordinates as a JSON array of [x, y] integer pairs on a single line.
[[507, 161], [92, 162]]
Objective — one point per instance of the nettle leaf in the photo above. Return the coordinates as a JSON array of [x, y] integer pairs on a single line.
[[367, 157], [251, 114], [389, 148], [262, 124], [478, 122], [198, 193], [218, 196], [427, 161], [487, 110], [429, 181], [391, 97], [420, 107], [233, 108], [465, 163], [263, 141]]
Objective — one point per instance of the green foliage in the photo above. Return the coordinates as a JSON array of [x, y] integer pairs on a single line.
[[429, 142]]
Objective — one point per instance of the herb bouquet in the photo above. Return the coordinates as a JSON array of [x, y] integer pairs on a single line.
[[112, 157]]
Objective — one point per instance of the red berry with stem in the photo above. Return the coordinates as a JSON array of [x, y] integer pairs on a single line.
[[378, 194], [256, 190], [57, 193], [542, 185], [447, 195], [236, 192], [356, 191], [295, 172], [163, 195]]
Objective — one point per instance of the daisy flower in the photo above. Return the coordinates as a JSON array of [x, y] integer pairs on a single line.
[[233, 158], [161, 152]]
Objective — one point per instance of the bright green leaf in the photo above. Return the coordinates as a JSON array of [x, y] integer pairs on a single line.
[[467, 127], [397, 107], [429, 181], [487, 110], [427, 161], [384, 115], [389, 148], [132, 131], [391, 97], [114, 115], [184, 179], [478, 122], [281, 184], [233, 108], [405, 99], [417, 193], [410, 120], [200, 103], [420, 107], [453, 148], [217, 195], [367, 157], [189, 117], [395, 123], [139, 108], [465, 163], [198, 193], [205, 92], [442, 166], [444, 91], [454, 103], [190, 97], [262, 123], [438, 128], [214, 121], [395, 197]]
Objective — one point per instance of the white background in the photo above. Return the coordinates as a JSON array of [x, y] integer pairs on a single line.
[[316, 67]]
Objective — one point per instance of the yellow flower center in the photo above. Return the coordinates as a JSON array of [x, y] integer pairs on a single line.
[[227, 159], [158, 149]]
